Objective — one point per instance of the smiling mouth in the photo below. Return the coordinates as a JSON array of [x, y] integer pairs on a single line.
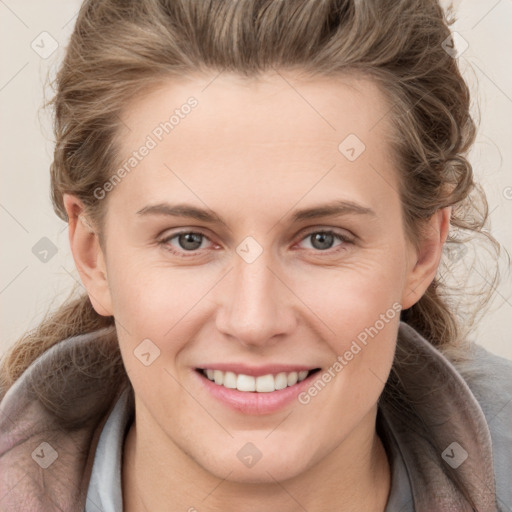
[[250, 384]]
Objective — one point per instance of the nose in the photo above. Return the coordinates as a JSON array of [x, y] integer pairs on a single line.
[[256, 305]]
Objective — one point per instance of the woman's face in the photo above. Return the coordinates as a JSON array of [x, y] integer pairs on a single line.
[[295, 260]]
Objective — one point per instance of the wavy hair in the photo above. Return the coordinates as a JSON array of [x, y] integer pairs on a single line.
[[120, 50]]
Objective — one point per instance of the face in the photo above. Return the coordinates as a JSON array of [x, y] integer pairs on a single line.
[[287, 255]]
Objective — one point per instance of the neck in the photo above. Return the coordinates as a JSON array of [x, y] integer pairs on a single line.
[[345, 480]]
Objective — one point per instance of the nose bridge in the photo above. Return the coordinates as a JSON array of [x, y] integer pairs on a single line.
[[255, 304]]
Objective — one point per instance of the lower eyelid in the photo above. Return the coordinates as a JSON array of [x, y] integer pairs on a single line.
[[166, 240], [344, 239]]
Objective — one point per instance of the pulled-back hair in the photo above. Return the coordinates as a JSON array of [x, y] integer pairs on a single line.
[[120, 50]]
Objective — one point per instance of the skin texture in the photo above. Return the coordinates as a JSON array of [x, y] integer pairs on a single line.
[[254, 151]]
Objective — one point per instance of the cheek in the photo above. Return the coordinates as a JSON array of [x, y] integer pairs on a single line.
[[150, 298], [352, 297], [358, 309], [150, 307]]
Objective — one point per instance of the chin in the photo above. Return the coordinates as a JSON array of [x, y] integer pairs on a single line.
[[267, 473], [270, 467]]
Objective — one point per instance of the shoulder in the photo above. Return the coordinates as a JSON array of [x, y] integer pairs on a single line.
[[451, 416], [489, 377], [51, 419]]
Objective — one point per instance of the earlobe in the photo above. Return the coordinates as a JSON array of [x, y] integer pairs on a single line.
[[88, 256], [427, 258]]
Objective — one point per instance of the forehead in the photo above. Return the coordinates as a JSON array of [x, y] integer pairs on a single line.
[[278, 103], [279, 128]]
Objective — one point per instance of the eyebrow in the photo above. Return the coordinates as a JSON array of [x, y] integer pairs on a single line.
[[334, 208]]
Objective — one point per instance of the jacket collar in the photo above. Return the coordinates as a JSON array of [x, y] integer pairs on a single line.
[[51, 420], [431, 414], [52, 417]]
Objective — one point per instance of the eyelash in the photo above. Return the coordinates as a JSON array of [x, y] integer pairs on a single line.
[[188, 254]]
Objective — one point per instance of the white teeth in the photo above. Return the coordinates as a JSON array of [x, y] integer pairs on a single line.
[[302, 375], [281, 380], [245, 383], [218, 377], [292, 378], [230, 380], [261, 384], [265, 383]]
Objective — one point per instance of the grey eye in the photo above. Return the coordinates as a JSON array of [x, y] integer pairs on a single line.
[[189, 241], [322, 240]]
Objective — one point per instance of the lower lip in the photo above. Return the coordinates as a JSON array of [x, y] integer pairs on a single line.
[[256, 403]]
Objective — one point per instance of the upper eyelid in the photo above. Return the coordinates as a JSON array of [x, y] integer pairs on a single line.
[[346, 237]]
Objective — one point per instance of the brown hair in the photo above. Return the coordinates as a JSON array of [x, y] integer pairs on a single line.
[[119, 50]]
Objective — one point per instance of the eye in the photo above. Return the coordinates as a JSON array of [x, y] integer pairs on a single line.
[[322, 240], [186, 241], [191, 241]]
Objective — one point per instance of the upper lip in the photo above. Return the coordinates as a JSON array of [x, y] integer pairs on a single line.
[[256, 371]]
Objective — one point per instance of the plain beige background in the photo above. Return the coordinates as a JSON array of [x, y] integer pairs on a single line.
[[37, 269]]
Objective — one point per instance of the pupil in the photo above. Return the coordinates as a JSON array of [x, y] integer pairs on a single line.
[[322, 237], [190, 238]]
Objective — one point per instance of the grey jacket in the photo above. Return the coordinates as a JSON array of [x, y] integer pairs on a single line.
[[447, 429]]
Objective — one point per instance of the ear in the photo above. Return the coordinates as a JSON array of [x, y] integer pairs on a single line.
[[426, 258], [88, 255]]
